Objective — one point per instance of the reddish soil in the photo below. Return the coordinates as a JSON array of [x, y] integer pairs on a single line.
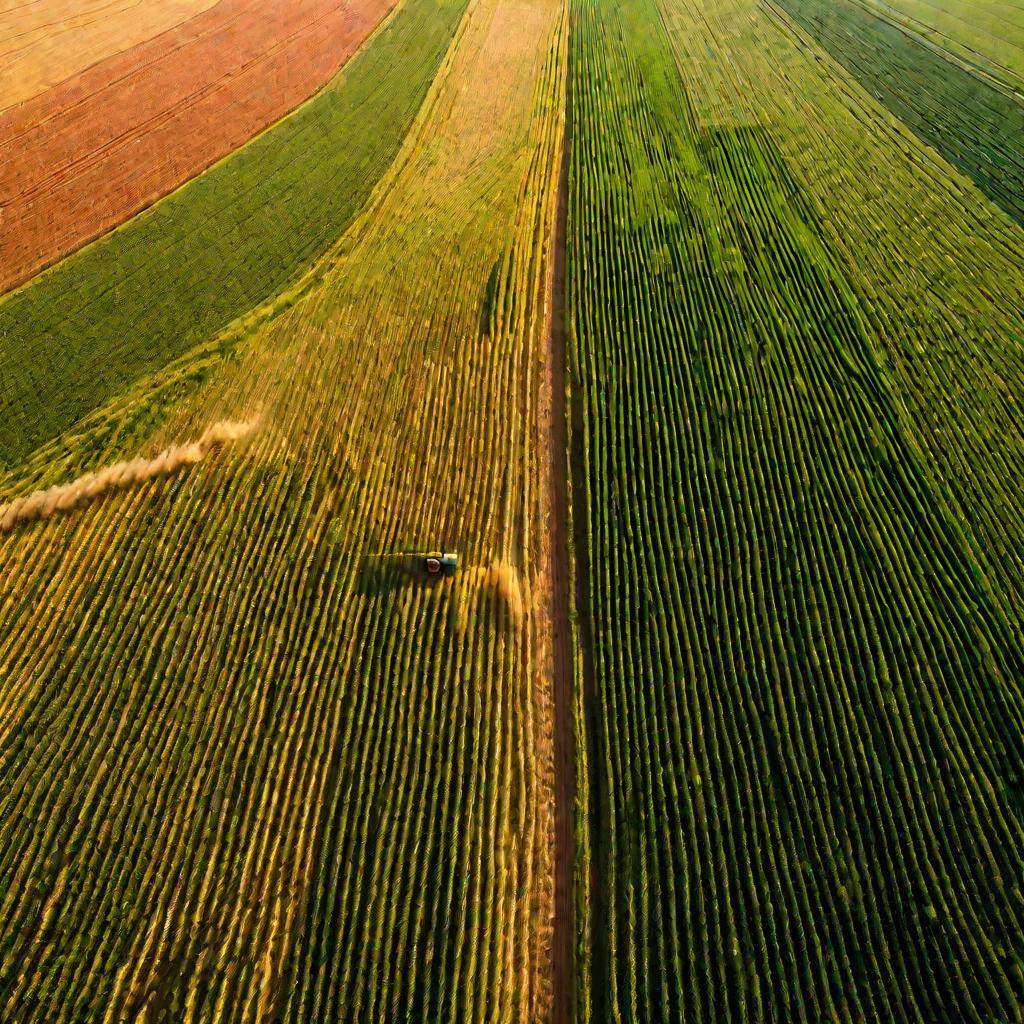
[[86, 155], [42, 44]]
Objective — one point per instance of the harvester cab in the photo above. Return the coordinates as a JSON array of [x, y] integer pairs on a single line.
[[438, 564]]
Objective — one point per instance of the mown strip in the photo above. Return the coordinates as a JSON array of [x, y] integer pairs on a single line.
[[974, 125], [45, 44], [177, 274]]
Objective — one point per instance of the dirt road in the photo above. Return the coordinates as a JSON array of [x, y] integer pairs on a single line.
[[562, 645]]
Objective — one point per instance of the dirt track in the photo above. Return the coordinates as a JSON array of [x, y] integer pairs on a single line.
[[88, 154], [562, 646]]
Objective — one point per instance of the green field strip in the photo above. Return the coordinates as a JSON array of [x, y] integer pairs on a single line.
[[937, 275], [809, 725], [182, 271], [976, 126]]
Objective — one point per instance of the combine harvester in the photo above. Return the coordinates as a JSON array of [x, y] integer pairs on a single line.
[[438, 564], [497, 582], [385, 570]]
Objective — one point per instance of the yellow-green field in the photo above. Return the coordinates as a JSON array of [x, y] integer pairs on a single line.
[[236, 784]]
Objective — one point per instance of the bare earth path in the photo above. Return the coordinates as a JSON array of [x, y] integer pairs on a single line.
[[561, 635]]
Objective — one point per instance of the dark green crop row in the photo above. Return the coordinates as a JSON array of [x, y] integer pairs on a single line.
[[806, 728], [177, 274]]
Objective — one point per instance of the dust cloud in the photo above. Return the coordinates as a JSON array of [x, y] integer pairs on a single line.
[[65, 497]]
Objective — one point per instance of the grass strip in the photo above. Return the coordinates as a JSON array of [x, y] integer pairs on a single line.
[[973, 124]]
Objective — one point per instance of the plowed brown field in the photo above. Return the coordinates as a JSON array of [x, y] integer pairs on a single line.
[[88, 154]]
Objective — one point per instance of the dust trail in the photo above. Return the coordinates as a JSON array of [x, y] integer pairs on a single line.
[[498, 582], [64, 497]]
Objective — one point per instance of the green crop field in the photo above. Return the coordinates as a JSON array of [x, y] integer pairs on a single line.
[[967, 118], [803, 729], [987, 34], [694, 328]]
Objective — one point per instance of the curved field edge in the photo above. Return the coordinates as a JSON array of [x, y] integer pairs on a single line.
[[807, 756], [178, 273], [90, 154]]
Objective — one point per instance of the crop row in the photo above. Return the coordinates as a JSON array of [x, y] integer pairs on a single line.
[[238, 784], [936, 275], [804, 710], [986, 34]]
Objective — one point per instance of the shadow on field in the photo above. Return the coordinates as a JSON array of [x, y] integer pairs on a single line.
[[383, 573], [493, 591]]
